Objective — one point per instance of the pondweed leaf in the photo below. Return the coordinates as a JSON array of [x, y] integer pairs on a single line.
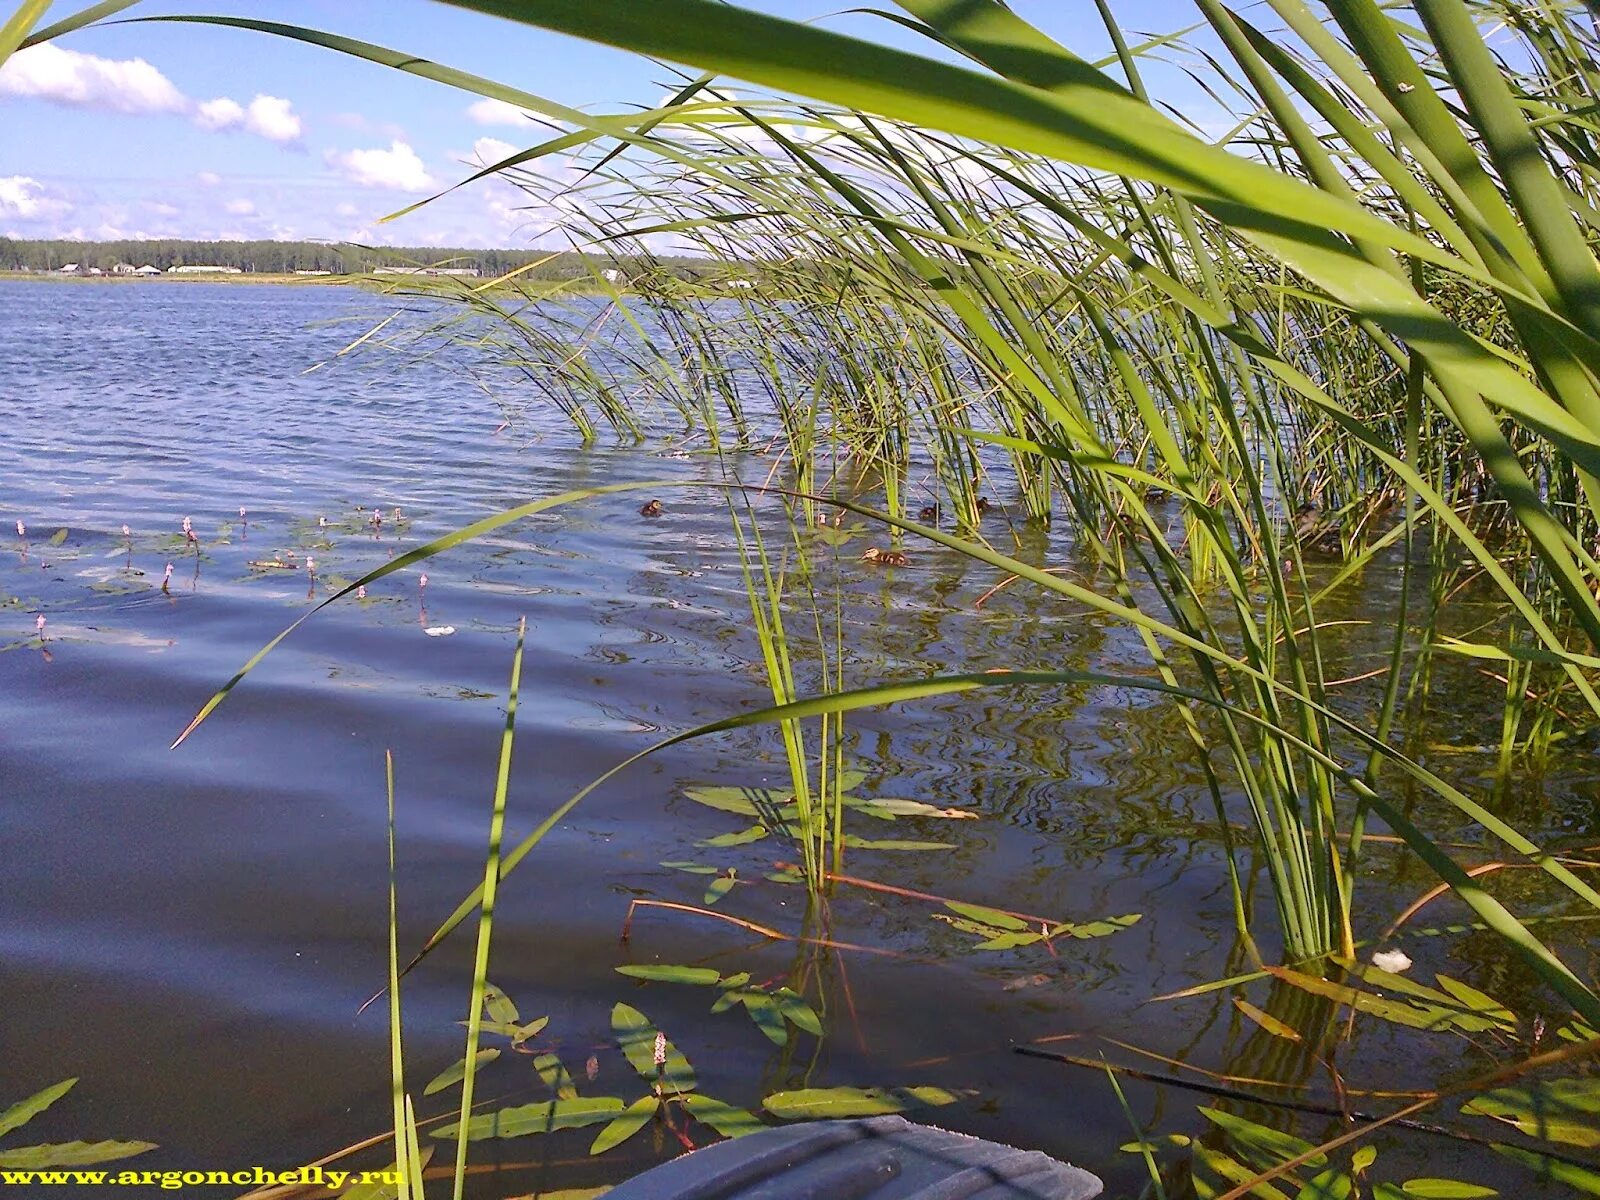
[[719, 888], [729, 1121], [1472, 999], [544, 1117], [71, 1154], [815, 1104], [1557, 1110], [1581, 1179], [457, 1071], [667, 973], [498, 1006], [556, 1077], [517, 1033], [20, 1113], [989, 916], [1272, 1146], [861, 843], [889, 809], [795, 1009], [58, 537], [1267, 1021], [693, 868], [638, 1039], [634, 1118], [743, 838], [1446, 1189], [1401, 1012]]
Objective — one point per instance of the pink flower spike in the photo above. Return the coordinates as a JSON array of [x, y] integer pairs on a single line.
[[168, 575], [188, 525], [22, 530], [361, 593], [38, 623], [311, 565], [661, 1050], [322, 522], [423, 582], [241, 512], [126, 532]]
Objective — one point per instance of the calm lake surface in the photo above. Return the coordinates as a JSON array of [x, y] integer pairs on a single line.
[[192, 931]]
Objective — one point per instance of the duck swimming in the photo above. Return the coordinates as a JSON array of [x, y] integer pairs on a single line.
[[928, 513], [886, 558], [1314, 531], [652, 509]]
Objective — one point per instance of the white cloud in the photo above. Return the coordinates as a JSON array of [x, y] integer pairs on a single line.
[[347, 209], [161, 208], [497, 112], [221, 113], [129, 85], [208, 178], [271, 117], [487, 151], [240, 208], [398, 167], [24, 198]]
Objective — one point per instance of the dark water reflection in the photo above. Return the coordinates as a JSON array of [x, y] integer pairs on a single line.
[[191, 932]]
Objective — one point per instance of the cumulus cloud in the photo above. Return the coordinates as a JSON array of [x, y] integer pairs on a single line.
[[161, 208], [129, 85], [271, 117], [497, 112], [240, 208], [208, 178], [24, 198], [397, 168], [347, 209], [487, 151]]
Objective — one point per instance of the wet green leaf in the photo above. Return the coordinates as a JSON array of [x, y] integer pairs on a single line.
[[634, 1118], [1272, 1145], [1400, 1012], [667, 973], [692, 867], [1576, 1031], [20, 1113], [1582, 1179], [499, 1007], [1104, 927], [733, 981], [517, 1033], [637, 1038], [861, 843], [544, 1117], [767, 1017], [1475, 1001], [1446, 1189], [1331, 1184], [1267, 1021], [1010, 941], [58, 537], [71, 1154], [796, 1010], [1557, 1110], [457, 1071], [740, 800], [890, 808], [989, 916], [556, 1076], [719, 888], [744, 837], [727, 1120], [811, 1104]]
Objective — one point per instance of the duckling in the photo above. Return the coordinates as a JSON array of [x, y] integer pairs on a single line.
[[983, 506], [886, 558], [1312, 531], [928, 514], [652, 509]]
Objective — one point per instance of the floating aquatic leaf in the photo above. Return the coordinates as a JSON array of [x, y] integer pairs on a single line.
[[989, 916], [638, 1038], [822, 1103], [457, 1071], [58, 537], [861, 843], [1446, 1189], [1267, 1021], [738, 800], [667, 973], [738, 980], [1557, 1110], [1414, 1016], [1009, 941], [634, 1118], [1583, 1179], [745, 836], [719, 888], [517, 1033], [729, 1121], [1104, 927], [70, 1154], [889, 809], [796, 1010], [765, 1013], [556, 1077], [1471, 998], [1272, 1145], [20, 1113], [693, 868], [498, 1006], [544, 1117]]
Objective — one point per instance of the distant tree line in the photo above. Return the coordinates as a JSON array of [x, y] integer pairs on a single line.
[[264, 257]]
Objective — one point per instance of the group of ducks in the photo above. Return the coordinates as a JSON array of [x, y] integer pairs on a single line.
[[928, 514]]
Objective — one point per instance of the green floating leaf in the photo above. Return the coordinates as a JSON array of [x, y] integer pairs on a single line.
[[634, 1118], [1009, 941], [1272, 1145], [665, 973], [989, 916], [861, 843], [767, 1017], [499, 1007], [544, 1117], [58, 537], [1474, 1000], [739, 800], [889, 809], [1446, 1189], [637, 1038], [71, 1154], [20, 1113], [797, 1011], [556, 1077], [457, 1071], [1582, 1179], [1558, 1110], [1096, 929], [743, 838], [517, 1033], [729, 1121], [1331, 1184], [693, 868], [719, 888], [1400, 1012], [1267, 1021], [810, 1104]]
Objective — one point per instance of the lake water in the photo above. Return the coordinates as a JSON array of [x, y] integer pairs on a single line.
[[192, 931]]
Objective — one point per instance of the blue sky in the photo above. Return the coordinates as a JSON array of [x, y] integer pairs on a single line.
[[178, 130]]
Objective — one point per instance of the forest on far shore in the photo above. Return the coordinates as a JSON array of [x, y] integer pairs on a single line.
[[285, 258]]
